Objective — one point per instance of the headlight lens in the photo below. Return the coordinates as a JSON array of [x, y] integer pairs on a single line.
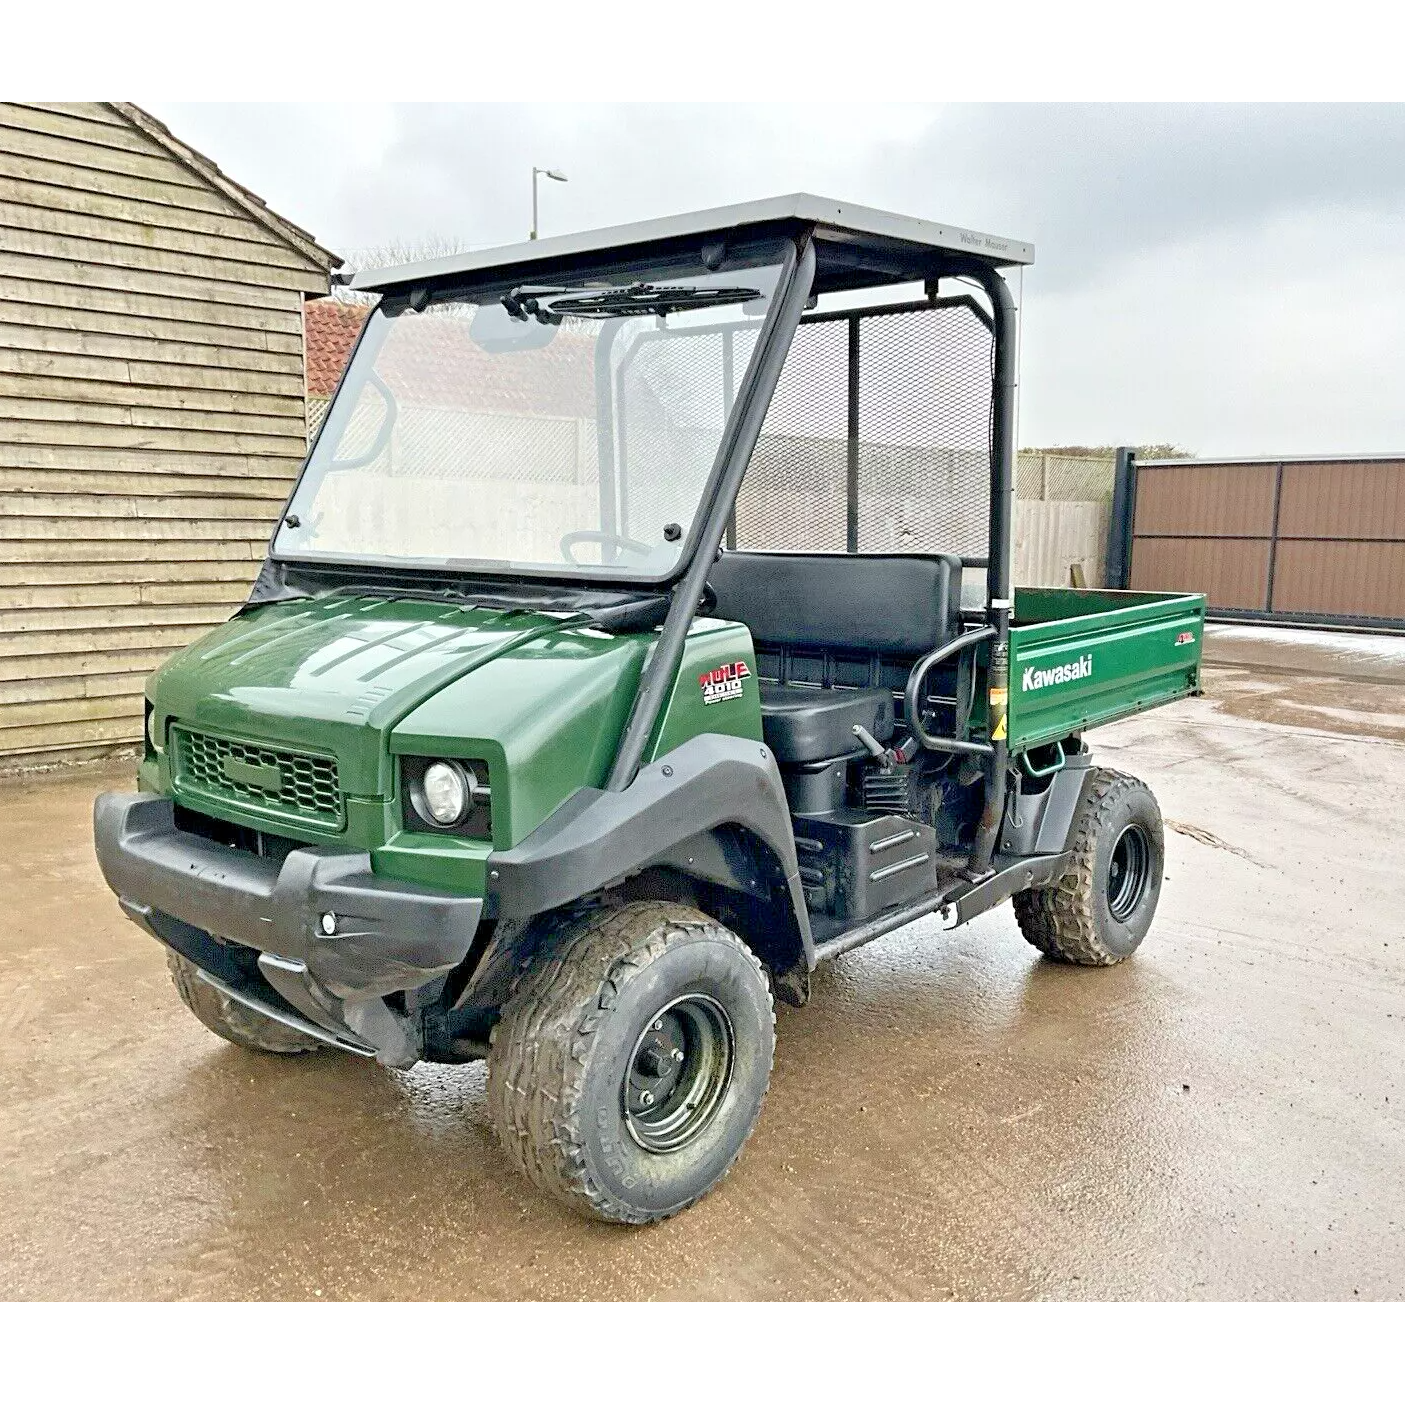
[[153, 731], [442, 794], [447, 794]]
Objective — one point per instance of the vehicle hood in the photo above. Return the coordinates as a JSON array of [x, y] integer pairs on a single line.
[[336, 674]]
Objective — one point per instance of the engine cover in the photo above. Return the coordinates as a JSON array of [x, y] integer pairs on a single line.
[[854, 864]]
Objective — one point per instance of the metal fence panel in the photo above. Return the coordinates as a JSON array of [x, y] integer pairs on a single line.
[[1047, 477], [1232, 573], [1363, 501], [1306, 540], [1206, 500], [1349, 578]]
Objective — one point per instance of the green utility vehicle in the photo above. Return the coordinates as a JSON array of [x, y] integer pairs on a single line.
[[639, 634]]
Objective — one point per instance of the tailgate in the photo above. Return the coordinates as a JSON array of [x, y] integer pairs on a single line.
[[1079, 658]]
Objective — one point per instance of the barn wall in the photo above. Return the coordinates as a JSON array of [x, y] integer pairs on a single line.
[[151, 415]]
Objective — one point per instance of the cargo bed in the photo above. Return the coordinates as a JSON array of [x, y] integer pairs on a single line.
[[1080, 658]]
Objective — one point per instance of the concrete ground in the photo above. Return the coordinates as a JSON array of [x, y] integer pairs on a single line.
[[1221, 1117]]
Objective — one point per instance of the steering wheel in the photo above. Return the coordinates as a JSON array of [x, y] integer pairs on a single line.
[[605, 539]]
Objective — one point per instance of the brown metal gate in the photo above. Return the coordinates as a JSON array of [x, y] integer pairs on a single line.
[[1307, 540]]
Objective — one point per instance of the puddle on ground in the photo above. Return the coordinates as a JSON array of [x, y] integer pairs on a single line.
[[1379, 657], [1349, 706]]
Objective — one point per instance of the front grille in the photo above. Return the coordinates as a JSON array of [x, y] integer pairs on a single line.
[[262, 778]]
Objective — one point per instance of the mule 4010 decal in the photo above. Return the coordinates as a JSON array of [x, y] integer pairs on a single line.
[[723, 682]]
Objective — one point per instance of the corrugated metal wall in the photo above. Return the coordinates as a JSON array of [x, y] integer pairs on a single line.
[[1052, 539], [1062, 507], [1298, 538], [151, 414]]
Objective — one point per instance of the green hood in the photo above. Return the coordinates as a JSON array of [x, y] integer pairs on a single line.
[[338, 673], [541, 699]]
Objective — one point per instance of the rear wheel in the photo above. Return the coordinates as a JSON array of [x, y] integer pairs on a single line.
[[1099, 911], [231, 1020], [629, 1068]]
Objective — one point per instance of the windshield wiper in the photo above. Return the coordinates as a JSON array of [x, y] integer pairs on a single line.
[[636, 300], [611, 612]]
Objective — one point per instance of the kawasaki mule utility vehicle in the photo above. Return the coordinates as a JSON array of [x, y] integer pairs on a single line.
[[640, 634]]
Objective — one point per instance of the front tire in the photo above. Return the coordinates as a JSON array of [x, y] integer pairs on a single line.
[[231, 1020], [1099, 911], [630, 1066]]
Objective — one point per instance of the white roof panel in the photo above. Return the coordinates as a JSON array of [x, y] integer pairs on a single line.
[[834, 218]]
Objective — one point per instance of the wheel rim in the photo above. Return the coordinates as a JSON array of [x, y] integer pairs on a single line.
[[1129, 871], [678, 1073]]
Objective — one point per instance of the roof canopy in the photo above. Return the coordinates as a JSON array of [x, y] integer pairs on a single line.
[[855, 246]]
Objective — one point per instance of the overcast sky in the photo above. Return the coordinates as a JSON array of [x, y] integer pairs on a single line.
[[1227, 278]]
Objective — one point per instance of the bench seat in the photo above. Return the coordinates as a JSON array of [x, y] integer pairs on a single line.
[[835, 636]]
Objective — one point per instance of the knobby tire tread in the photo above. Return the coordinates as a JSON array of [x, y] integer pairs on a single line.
[[1061, 920], [541, 1045]]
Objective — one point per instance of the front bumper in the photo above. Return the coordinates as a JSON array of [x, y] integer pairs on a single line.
[[198, 896]]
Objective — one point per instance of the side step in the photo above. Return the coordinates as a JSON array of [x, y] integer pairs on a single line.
[[958, 904], [971, 898]]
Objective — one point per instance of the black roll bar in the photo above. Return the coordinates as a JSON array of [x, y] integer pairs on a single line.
[[733, 457], [999, 594]]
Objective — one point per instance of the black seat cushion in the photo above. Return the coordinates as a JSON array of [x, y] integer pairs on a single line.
[[815, 724], [893, 605]]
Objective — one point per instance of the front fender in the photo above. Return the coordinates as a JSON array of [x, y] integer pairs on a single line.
[[670, 816]]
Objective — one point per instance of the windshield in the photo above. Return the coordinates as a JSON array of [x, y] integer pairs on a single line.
[[563, 428]]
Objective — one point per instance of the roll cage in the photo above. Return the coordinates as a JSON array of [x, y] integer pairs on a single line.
[[829, 248]]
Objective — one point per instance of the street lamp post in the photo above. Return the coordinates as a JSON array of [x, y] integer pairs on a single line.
[[550, 175]]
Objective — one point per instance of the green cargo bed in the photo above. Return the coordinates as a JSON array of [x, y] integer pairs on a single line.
[[1080, 658]]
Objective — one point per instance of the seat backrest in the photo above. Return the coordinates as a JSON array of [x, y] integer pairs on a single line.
[[895, 606]]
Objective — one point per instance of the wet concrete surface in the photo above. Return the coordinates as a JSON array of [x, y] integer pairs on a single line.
[[1223, 1116], [1336, 653], [1341, 681]]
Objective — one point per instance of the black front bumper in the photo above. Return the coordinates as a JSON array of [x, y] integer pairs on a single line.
[[198, 896]]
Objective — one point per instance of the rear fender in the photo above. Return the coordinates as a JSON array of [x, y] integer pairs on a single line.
[[1039, 820]]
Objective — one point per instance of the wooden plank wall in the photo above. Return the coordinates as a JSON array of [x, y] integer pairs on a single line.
[[151, 415]]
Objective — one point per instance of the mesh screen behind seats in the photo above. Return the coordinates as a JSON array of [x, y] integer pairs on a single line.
[[919, 468]]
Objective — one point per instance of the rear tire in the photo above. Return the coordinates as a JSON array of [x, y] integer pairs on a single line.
[[1099, 911], [230, 1020], [630, 1066]]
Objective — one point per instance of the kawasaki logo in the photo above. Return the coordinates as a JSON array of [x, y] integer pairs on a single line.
[[1036, 678]]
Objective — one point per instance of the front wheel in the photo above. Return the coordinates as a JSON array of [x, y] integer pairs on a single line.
[[231, 1020], [1099, 911], [630, 1066]]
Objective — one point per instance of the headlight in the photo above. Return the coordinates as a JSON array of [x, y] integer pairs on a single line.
[[439, 794], [447, 793], [153, 730]]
